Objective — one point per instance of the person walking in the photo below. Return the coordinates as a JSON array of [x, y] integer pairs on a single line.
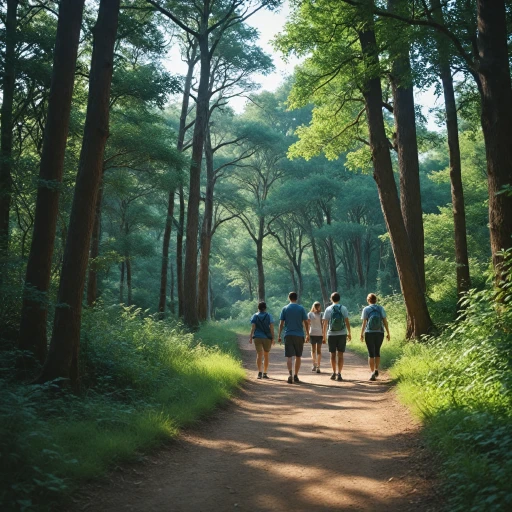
[[336, 328], [294, 320], [262, 332], [372, 332], [316, 337]]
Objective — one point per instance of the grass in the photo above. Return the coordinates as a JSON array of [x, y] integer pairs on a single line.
[[144, 380]]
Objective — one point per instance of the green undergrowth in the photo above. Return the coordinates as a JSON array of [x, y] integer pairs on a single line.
[[143, 380], [460, 385]]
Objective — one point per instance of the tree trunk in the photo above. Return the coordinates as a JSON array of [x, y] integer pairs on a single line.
[[62, 360], [179, 253], [496, 116], [407, 148], [359, 261], [8, 85], [121, 284], [92, 277], [173, 309], [34, 310], [383, 174], [128, 265], [206, 233], [165, 253], [190, 276], [259, 262]]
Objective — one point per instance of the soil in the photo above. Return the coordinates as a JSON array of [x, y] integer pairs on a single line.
[[315, 446]]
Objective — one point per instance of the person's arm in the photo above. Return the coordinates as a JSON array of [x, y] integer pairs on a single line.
[[253, 328], [324, 330], [385, 320], [306, 326], [272, 333], [363, 328], [281, 325], [347, 323]]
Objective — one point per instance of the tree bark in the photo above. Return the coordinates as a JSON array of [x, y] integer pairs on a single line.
[[190, 316], [383, 174], [92, 277], [6, 137], [173, 309], [62, 360], [496, 117], [165, 253], [206, 233], [259, 261], [179, 253], [34, 311], [128, 265], [121, 284], [318, 268]]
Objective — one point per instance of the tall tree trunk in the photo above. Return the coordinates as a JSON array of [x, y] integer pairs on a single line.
[[121, 284], [62, 360], [173, 309], [92, 277], [259, 261], [318, 268], [359, 261], [190, 316], [211, 311], [179, 253], [128, 265], [452, 128], [383, 174], [206, 233], [8, 85], [34, 310], [496, 116], [165, 253]]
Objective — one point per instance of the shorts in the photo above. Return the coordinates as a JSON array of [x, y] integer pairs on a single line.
[[337, 343], [293, 346], [315, 339], [373, 342], [262, 344]]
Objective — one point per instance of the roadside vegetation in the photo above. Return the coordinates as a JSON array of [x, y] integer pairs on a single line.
[[142, 381]]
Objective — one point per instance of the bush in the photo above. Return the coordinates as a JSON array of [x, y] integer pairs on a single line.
[[143, 380]]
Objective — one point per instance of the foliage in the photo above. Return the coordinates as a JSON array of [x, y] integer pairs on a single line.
[[143, 380]]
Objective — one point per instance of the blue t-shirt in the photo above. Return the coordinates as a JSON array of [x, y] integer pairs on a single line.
[[293, 315], [367, 312], [262, 321]]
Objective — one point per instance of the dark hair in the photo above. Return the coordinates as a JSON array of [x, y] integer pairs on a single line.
[[292, 295], [262, 306], [372, 298], [335, 297]]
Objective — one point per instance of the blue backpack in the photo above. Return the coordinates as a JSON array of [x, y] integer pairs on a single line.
[[337, 320], [375, 319]]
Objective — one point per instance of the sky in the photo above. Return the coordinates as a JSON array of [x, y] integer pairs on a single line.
[[269, 24]]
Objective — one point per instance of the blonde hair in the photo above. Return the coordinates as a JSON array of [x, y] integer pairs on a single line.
[[372, 298], [316, 307]]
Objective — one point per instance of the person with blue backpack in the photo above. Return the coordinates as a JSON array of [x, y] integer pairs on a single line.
[[336, 328], [372, 332], [262, 332]]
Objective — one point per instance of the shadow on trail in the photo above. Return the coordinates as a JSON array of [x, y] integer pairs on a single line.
[[319, 445]]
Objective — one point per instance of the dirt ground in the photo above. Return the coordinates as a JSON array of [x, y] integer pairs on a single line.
[[315, 446]]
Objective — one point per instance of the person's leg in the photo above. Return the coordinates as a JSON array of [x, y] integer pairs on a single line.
[[340, 361], [370, 345], [265, 361], [371, 363], [259, 357], [297, 365], [289, 364], [333, 361], [313, 353], [318, 354], [379, 338]]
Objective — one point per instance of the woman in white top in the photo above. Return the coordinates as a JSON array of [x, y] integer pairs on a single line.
[[316, 335]]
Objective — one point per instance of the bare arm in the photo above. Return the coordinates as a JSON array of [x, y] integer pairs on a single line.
[[385, 320], [365, 321], [306, 326], [272, 333], [253, 328], [347, 323], [281, 325]]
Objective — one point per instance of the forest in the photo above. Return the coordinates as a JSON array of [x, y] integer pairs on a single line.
[[143, 215]]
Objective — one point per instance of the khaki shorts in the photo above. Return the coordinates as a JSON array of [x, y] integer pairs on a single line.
[[262, 344]]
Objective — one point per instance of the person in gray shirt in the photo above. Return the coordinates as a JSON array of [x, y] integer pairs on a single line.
[[337, 330]]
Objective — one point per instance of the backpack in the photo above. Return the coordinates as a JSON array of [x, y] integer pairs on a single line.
[[264, 327], [375, 319], [337, 320]]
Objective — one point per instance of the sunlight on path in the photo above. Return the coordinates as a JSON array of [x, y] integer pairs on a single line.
[[319, 445]]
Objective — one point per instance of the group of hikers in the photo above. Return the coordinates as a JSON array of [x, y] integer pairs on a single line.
[[331, 327]]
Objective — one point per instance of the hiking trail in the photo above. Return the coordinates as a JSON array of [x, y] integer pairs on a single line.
[[315, 446]]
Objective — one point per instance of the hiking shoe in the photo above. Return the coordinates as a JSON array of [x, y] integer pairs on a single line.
[[265, 376], [313, 369], [318, 369], [259, 375], [290, 380], [339, 378], [333, 376], [376, 372], [373, 376], [296, 378]]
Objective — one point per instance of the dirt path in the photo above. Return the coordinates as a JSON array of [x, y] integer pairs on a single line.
[[316, 446]]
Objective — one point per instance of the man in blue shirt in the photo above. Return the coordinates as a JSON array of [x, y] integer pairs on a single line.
[[294, 319]]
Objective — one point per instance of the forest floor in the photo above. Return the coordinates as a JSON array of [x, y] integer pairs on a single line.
[[315, 446]]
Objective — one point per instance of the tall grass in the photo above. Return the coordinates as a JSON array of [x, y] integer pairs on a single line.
[[143, 380]]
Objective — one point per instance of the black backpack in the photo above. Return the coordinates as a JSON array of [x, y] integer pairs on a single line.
[[264, 327]]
